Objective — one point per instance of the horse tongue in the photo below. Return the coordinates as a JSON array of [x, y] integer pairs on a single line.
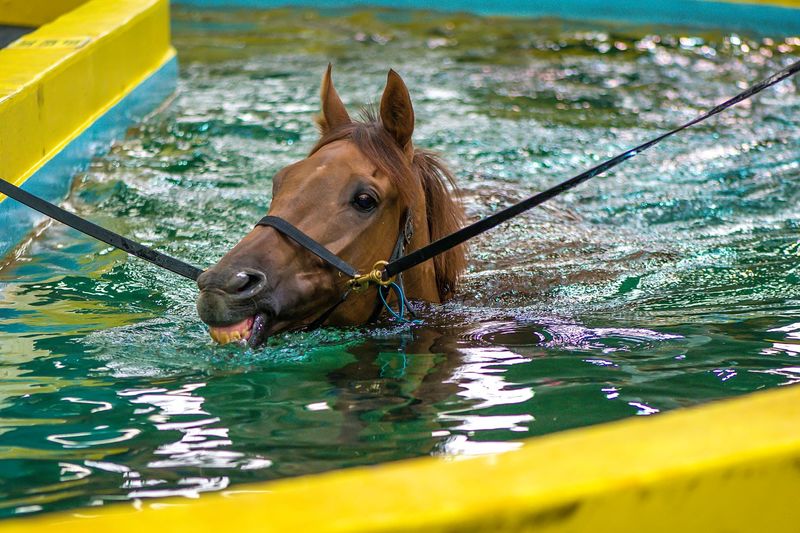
[[258, 330], [234, 332]]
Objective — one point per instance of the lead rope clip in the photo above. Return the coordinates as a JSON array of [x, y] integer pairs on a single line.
[[361, 283]]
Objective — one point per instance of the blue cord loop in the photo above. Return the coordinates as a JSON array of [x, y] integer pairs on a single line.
[[402, 307]]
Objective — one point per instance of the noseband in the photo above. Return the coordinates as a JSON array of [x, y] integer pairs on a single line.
[[358, 282]]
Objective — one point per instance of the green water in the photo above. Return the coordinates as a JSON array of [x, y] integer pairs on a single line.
[[673, 282]]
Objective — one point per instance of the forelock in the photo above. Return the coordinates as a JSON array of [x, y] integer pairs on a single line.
[[377, 145]]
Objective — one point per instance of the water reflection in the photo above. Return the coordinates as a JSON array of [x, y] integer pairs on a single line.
[[790, 345], [101, 435], [461, 445], [482, 382], [790, 374], [481, 377], [204, 442]]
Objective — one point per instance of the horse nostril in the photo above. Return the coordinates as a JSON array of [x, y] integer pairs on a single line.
[[246, 283]]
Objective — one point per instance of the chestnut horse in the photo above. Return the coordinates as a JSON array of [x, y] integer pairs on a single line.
[[354, 193]]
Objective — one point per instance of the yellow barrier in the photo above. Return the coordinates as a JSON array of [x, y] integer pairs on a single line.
[[780, 3], [730, 466], [70, 87], [50, 93], [34, 12]]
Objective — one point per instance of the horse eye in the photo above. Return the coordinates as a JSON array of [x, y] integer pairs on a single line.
[[364, 202]]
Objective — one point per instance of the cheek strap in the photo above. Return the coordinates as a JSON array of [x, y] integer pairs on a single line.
[[357, 281]]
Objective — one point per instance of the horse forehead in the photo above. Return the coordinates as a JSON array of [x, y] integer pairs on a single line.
[[342, 155]]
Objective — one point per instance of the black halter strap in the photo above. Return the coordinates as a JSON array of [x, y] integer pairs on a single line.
[[384, 272], [303, 240], [309, 244], [403, 240]]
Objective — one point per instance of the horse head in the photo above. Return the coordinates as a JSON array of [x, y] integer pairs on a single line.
[[359, 187]]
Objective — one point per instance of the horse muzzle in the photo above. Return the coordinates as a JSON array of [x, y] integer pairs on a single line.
[[236, 306]]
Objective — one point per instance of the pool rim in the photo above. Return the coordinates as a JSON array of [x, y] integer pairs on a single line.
[[743, 463]]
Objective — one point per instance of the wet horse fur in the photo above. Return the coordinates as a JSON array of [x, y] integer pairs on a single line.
[[350, 194]]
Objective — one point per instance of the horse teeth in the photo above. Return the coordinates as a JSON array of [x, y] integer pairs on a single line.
[[224, 336]]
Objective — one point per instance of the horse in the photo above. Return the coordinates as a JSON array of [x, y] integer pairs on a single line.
[[357, 193]]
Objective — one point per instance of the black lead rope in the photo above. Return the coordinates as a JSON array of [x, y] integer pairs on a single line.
[[454, 239], [396, 266], [101, 234]]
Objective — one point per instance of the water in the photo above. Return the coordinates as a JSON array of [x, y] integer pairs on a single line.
[[672, 282]]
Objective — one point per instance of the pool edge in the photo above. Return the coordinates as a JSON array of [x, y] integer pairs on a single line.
[[62, 105], [761, 17], [739, 472]]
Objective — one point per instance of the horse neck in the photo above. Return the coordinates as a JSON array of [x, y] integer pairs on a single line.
[[420, 282]]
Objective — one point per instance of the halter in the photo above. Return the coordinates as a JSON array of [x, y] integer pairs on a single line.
[[357, 282]]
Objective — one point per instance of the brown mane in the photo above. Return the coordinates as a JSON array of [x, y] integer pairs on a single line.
[[426, 174]]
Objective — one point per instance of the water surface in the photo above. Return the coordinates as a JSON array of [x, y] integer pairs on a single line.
[[672, 282]]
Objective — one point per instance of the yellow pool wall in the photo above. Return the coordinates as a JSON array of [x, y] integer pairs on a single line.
[[729, 466], [57, 80]]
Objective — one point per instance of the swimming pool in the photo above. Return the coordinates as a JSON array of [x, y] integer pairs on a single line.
[[671, 283]]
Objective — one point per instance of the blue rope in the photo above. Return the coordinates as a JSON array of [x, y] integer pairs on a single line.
[[387, 371], [403, 304]]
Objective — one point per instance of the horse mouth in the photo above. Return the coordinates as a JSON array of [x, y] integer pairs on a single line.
[[250, 331]]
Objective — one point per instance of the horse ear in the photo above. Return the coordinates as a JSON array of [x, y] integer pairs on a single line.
[[397, 113], [334, 113]]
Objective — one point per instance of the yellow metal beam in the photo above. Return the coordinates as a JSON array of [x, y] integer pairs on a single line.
[[728, 466], [59, 79], [779, 3], [34, 12]]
